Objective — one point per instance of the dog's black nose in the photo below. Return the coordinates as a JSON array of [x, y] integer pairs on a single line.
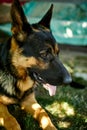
[[67, 79]]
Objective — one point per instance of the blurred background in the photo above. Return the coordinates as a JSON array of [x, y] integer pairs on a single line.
[[69, 23]]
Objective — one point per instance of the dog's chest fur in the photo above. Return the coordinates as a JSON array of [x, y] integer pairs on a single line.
[[6, 83], [13, 88]]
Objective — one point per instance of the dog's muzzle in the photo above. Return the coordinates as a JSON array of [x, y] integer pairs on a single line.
[[51, 88], [55, 75]]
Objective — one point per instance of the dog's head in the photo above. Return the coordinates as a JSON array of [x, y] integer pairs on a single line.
[[34, 50]]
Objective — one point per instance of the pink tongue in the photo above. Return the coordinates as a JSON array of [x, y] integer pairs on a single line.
[[50, 88]]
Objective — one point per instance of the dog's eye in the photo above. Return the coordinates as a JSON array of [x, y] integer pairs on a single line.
[[43, 53], [46, 54]]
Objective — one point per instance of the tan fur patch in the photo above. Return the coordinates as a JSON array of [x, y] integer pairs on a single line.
[[6, 100], [56, 49], [14, 45], [7, 120], [20, 35], [51, 48], [36, 30], [45, 28], [24, 85]]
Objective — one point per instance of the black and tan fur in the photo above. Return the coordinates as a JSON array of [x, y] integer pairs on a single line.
[[28, 57]]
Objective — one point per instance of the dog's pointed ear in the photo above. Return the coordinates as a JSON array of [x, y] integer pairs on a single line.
[[45, 21], [19, 21]]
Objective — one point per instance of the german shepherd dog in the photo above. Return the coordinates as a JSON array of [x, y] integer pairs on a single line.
[[30, 56]]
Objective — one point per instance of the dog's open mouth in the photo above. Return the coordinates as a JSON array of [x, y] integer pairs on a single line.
[[51, 88]]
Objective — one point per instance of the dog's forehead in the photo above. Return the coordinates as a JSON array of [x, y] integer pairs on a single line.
[[42, 32], [42, 37]]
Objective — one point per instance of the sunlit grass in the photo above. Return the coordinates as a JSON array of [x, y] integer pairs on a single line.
[[63, 124], [61, 109]]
